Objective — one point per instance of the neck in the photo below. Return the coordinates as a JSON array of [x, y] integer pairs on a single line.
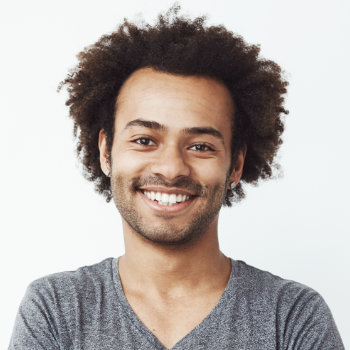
[[173, 269]]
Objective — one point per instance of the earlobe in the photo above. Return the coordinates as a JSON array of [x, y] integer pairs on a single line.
[[237, 171], [102, 145]]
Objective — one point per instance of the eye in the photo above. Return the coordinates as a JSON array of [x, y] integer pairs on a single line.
[[144, 141], [201, 147]]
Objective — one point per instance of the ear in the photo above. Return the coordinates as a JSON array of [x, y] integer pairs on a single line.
[[102, 145], [237, 170]]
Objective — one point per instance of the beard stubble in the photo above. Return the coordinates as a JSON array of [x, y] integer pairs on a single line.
[[165, 232]]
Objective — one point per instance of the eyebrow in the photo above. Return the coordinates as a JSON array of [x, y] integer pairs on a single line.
[[203, 130], [150, 124]]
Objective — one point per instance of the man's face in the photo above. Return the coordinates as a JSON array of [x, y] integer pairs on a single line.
[[171, 155]]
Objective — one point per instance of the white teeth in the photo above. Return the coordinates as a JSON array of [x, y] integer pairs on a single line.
[[172, 198], [148, 195], [166, 198]]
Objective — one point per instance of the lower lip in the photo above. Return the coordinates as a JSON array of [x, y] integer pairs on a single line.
[[174, 208]]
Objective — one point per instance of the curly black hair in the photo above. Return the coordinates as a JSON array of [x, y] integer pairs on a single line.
[[178, 45]]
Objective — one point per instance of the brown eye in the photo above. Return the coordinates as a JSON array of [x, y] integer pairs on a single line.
[[144, 141], [201, 147]]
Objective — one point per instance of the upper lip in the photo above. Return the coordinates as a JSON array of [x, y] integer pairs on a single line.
[[167, 190]]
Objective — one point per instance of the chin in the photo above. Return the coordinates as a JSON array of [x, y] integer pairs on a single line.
[[170, 235]]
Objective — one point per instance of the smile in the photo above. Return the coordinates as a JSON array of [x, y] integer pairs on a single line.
[[168, 199]]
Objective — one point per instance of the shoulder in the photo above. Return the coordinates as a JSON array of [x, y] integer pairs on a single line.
[[82, 275], [86, 280], [260, 281], [296, 308], [265, 287], [53, 304]]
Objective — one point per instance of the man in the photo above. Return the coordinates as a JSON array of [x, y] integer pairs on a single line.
[[171, 119]]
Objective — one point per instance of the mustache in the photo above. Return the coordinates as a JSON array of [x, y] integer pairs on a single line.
[[184, 183]]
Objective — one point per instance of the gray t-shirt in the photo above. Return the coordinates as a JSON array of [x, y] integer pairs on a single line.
[[86, 309]]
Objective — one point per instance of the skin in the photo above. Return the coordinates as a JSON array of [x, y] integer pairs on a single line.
[[173, 135]]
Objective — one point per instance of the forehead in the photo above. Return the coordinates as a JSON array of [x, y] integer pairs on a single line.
[[174, 101]]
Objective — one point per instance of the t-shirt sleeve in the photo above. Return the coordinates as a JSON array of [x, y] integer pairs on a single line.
[[310, 325], [34, 327]]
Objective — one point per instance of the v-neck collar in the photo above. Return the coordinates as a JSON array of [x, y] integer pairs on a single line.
[[197, 331]]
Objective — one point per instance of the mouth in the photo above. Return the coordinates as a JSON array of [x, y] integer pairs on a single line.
[[167, 200]]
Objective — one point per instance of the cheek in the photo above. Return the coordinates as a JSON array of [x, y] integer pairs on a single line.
[[210, 173], [124, 163]]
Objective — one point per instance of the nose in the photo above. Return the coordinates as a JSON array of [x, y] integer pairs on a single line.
[[170, 163]]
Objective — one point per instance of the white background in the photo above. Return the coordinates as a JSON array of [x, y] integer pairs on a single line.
[[52, 220]]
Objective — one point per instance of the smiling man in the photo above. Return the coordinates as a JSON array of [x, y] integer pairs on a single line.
[[171, 158], [171, 119]]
